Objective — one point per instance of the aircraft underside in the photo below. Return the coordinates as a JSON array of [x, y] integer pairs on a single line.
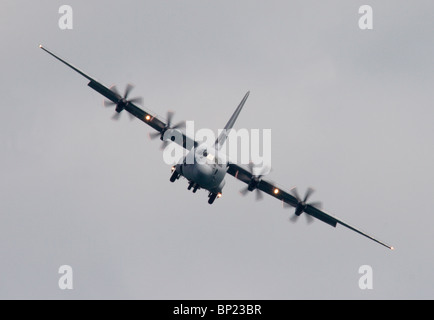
[[209, 177]]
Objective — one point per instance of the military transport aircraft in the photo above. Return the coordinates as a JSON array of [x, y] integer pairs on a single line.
[[210, 175]]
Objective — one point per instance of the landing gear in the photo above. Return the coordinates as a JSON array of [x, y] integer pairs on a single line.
[[175, 176], [193, 186], [212, 198]]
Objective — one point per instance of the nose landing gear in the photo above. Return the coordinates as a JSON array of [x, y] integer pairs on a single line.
[[193, 186]]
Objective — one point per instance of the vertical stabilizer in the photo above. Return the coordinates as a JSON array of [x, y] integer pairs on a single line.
[[223, 136]]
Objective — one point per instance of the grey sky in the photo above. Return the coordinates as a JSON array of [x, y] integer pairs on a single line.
[[351, 114]]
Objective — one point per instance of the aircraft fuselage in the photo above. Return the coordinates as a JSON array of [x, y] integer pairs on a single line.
[[204, 169]]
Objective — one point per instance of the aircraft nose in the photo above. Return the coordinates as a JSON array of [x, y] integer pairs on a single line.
[[203, 171]]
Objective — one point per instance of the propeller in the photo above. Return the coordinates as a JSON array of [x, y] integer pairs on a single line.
[[256, 179], [180, 125], [302, 204], [123, 101]]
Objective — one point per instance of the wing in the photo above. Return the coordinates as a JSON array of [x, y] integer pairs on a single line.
[[275, 191], [188, 143], [145, 116]]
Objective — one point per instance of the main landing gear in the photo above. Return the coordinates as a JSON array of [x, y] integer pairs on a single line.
[[192, 185], [175, 176], [212, 197]]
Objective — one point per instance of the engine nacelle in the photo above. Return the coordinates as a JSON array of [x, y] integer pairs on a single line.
[[253, 184]]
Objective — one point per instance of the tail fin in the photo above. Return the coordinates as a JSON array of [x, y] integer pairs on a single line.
[[223, 136]]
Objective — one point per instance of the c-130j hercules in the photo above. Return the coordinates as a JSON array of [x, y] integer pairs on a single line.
[[210, 175]]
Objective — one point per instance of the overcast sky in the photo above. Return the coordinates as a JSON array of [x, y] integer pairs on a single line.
[[351, 114]]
